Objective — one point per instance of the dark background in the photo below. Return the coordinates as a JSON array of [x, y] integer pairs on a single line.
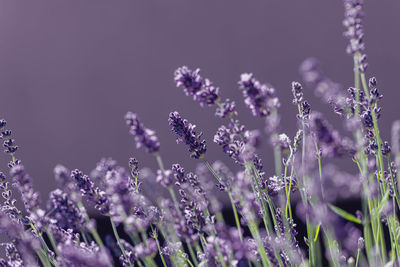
[[70, 70]]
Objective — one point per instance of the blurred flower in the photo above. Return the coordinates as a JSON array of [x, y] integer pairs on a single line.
[[144, 137], [260, 98]]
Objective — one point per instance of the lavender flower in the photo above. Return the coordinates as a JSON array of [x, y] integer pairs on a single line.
[[193, 84], [231, 141], [62, 175], [145, 249], [144, 137], [76, 255], [354, 31], [324, 88], [14, 258], [129, 250], [164, 177], [396, 141], [191, 81], [187, 134], [9, 226], [226, 109], [8, 143], [93, 193], [98, 174], [330, 143], [64, 211], [260, 98], [23, 182], [134, 166], [126, 204], [27, 245]]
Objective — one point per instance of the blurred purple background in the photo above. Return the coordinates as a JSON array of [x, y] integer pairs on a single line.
[[70, 70]]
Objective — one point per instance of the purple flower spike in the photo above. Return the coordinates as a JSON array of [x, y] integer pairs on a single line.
[[64, 211], [187, 134], [191, 81], [331, 144], [324, 88], [354, 31], [226, 109], [194, 85], [260, 98], [24, 185], [164, 178], [94, 194], [144, 137], [8, 143]]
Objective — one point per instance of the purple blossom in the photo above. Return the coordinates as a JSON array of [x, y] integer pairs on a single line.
[[144, 137], [62, 175], [134, 166], [260, 98], [64, 211], [231, 141], [129, 250], [330, 142], [23, 182], [354, 30], [330, 92], [191, 81], [194, 85], [8, 206], [14, 258], [164, 177], [145, 249], [92, 192], [124, 200], [186, 132], [8, 143], [396, 141], [27, 245], [9, 226], [76, 255], [226, 109]]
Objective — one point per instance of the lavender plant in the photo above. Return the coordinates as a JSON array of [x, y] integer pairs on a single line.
[[189, 228]]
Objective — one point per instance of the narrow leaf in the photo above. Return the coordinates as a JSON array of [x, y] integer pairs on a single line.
[[344, 214], [317, 232]]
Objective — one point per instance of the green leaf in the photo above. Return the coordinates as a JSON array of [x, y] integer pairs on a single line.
[[344, 214], [317, 232]]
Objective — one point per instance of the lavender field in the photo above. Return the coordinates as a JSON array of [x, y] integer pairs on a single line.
[[266, 187]]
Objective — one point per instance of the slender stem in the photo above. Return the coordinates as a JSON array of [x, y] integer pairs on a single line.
[[235, 213], [119, 242], [155, 235], [54, 245]]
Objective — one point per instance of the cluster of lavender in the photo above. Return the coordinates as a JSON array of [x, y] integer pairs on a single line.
[[188, 228]]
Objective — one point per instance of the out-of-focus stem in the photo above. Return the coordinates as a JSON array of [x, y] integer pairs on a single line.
[[235, 213], [119, 242]]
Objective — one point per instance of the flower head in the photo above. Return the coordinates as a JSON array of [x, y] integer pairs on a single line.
[[64, 211], [330, 92], [93, 193], [260, 98], [24, 184], [191, 81], [194, 85], [144, 137], [186, 132], [354, 31]]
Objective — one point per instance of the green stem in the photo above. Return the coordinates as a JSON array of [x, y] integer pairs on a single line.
[[159, 247], [235, 213], [119, 242]]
